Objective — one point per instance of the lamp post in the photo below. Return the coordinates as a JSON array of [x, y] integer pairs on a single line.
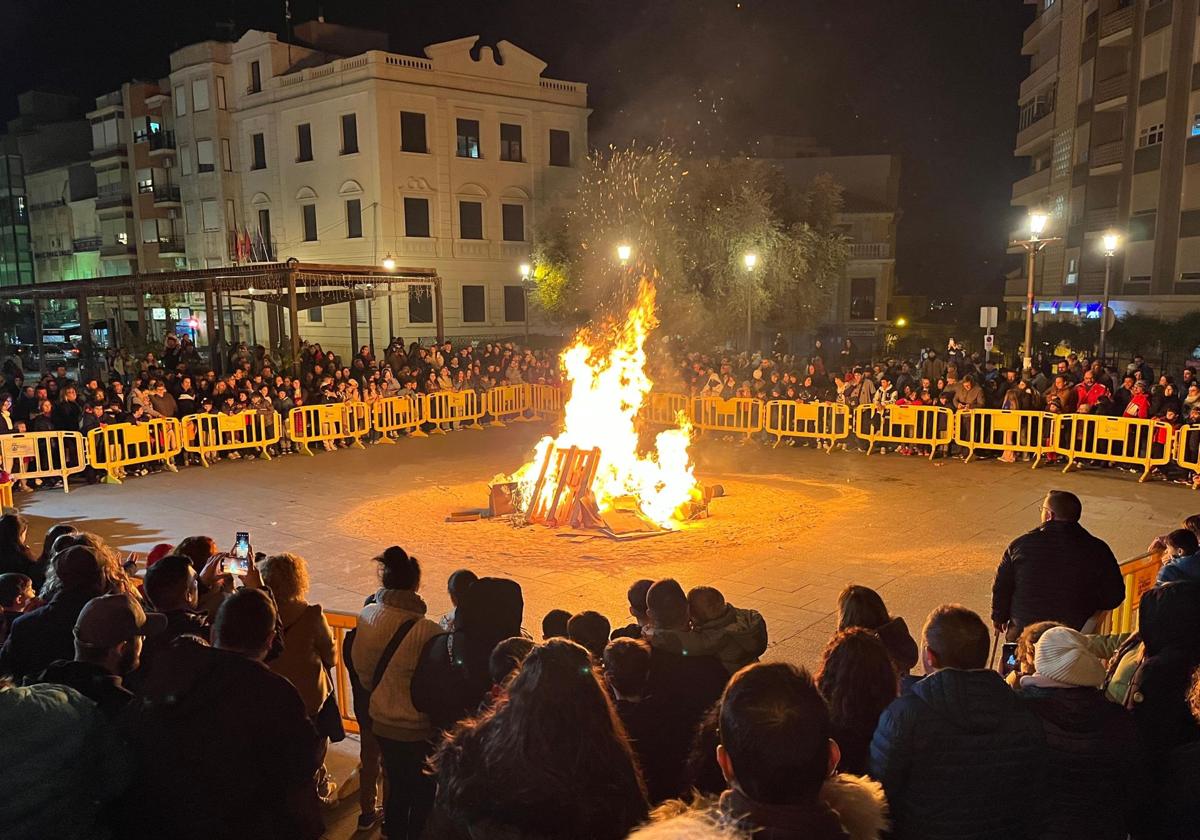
[[389, 264], [749, 260], [1035, 243], [624, 252], [1111, 242], [526, 271]]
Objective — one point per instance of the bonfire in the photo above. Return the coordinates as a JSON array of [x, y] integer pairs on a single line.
[[606, 369]]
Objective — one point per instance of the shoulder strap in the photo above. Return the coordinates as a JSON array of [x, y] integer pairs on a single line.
[[390, 651]]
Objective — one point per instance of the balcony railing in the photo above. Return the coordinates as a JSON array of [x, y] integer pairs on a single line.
[[170, 245], [1042, 127], [114, 149], [86, 243], [1100, 218], [1032, 183], [870, 250], [161, 141], [117, 249], [1107, 154], [112, 195], [1111, 88], [168, 194], [1116, 21]]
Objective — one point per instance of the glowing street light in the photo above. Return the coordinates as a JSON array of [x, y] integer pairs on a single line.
[[624, 252], [1035, 243], [525, 271], [1037, 224], [749, 259], [389, 264], [901, 321], [1111, 241]]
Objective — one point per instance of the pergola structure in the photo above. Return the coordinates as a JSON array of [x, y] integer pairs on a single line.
[[275, 284]]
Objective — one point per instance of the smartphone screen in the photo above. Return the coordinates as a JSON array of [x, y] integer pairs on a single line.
[[1008, 658], [239, 564]]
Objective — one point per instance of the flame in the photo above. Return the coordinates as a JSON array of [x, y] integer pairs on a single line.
[[609, 385]]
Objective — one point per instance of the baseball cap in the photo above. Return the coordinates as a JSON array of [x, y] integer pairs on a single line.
[[109, 620]]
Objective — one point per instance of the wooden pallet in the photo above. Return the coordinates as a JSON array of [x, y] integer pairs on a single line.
[[574, 470]]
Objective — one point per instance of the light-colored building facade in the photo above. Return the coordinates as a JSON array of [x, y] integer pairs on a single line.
[[63, 221], [1109, 120]]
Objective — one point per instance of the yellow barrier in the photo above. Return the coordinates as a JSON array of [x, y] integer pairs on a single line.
[[547, 400], [506, 402], [342, 623], [1187, 449], [453, 407], [208, 434], [1011, 431], [664, 409], [327, 423], [6, 496], [1120, 440], [1140, 575], [742, 415], [398, 414], [114, 447], [809, 421], [43, 455], [914, 425]]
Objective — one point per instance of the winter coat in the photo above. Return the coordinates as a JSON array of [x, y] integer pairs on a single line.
[[1056, 572], [961, 756], [737, 637], [1185, 568], [392, 712], [848, 808], [1169, 617], [42, 636], [1095, 763], [965, 400], [92, 681], [63, 763], [307, 652]]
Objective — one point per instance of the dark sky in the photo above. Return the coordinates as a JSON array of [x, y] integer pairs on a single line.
[[934, 81]]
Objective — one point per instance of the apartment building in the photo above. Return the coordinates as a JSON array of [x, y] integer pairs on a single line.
[[1109, 120], [63, 224], [333, 150]]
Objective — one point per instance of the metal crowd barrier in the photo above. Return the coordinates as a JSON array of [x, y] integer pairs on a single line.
[[115, 447], [398, 414], [740, 415], [33, 455], [808, 421], [912, 425], [309, 424], [506, 402], [1011, 431], [444, 407], [664, 409], [1187, 448], [1140, 575], [1122, 440], [341, 623], [208, 434]]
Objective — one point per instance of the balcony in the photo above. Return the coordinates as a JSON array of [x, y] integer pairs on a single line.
[[1042, 24], [870, 251], [1036, 182], [1107, 154], [86, 244], [1101, 218], [161, 142], [117, 250], [112, 195], [1039, 79], [1117, 24], [1032, 135], [165, 194], [170, 246], [1111, 92], [116, 150], [52, 252]]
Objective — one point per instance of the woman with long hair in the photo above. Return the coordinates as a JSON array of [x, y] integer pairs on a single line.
[[858, 680], [861, 606], [15, 554], [549, 761]]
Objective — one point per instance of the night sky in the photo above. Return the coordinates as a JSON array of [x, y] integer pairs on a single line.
[[934, 81]]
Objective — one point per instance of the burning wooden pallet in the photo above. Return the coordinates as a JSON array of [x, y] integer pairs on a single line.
[[573, 471]]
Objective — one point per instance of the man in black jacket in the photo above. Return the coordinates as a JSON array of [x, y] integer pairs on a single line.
[[1056, 572], [959, 755]]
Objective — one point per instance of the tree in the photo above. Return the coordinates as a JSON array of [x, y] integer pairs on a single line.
[[690, 224]]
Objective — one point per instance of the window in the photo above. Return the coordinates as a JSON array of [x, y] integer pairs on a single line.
[[470, 220], [230, 214], [264, 225], [1151, 135], [185, 160], [472, 304], [1072, 271], [1196, 126], [862, 298], [189, 217], [512, 218], [149, 230], [200, 94], [468, 138], [560, 147], [226, 155], [412, 132], [210, 216], [510, 142], [221, 93], [315, 315], [353, 219], [420, 305], [145, 181], [180, 98], [308, 217], [258, 152], [416, 217], [204, 156], [255, 78], [514, 303], [349, 134], [303, 142], [362, 310]]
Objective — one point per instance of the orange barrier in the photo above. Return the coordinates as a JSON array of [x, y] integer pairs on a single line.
[[327, 423], [506, 402], [391, 415], [1122, 440], [119, 445], [30, 455], [664, 409], [1011, 431], [546, 400], [208, 434], [808, 421], [1140, 575], [741, 415], [341, 623], [1187, 449], [912, 425], [443, 407]]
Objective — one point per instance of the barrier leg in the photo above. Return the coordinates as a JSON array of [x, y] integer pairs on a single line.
[[263, 453], [112, 477], [417, 433], [970, 453], [383, 438], [356, 443]]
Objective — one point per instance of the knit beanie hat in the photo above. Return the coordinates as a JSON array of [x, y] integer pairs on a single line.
[[1062, 654]]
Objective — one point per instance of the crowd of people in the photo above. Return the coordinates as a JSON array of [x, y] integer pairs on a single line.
[[194, 699]]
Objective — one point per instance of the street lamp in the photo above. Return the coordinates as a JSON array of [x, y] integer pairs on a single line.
[[749, 260], [526, 271], [389, 264], [1111, 242], [624, 252], [1035, 243], [901, 321]]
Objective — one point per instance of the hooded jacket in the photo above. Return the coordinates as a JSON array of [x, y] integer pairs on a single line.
[[960, 756], [1186, 568], [901, 646], [848, 808], [737, 637]]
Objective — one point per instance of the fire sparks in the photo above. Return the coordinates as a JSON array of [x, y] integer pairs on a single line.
[[609, 385]]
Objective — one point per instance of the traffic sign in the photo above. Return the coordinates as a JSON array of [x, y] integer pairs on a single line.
[[989, 341], [988, 317]]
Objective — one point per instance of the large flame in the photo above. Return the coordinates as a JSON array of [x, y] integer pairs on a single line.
[[609, 385]]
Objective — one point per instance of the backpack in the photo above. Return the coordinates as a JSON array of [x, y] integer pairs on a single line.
[[441, 684]]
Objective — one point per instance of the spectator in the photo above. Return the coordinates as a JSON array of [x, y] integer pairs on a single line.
[[689, 825], [457, 585], [1056, 572], [63, 764], [959, 755], [736, 637], [16, 597], [15, 555], [45, 559], [637, 608], [555, 625], [647, 721], [550, 761], [256, 783], [505, 661], [861, 606], [1095, 764], [47, 633], [1026, 648], [590, 630], [391, 634], [308, 652], [858, 680], [1181, 560]]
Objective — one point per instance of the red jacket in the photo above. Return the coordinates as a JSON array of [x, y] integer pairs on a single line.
[[1139, 406], [1089, 396]]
